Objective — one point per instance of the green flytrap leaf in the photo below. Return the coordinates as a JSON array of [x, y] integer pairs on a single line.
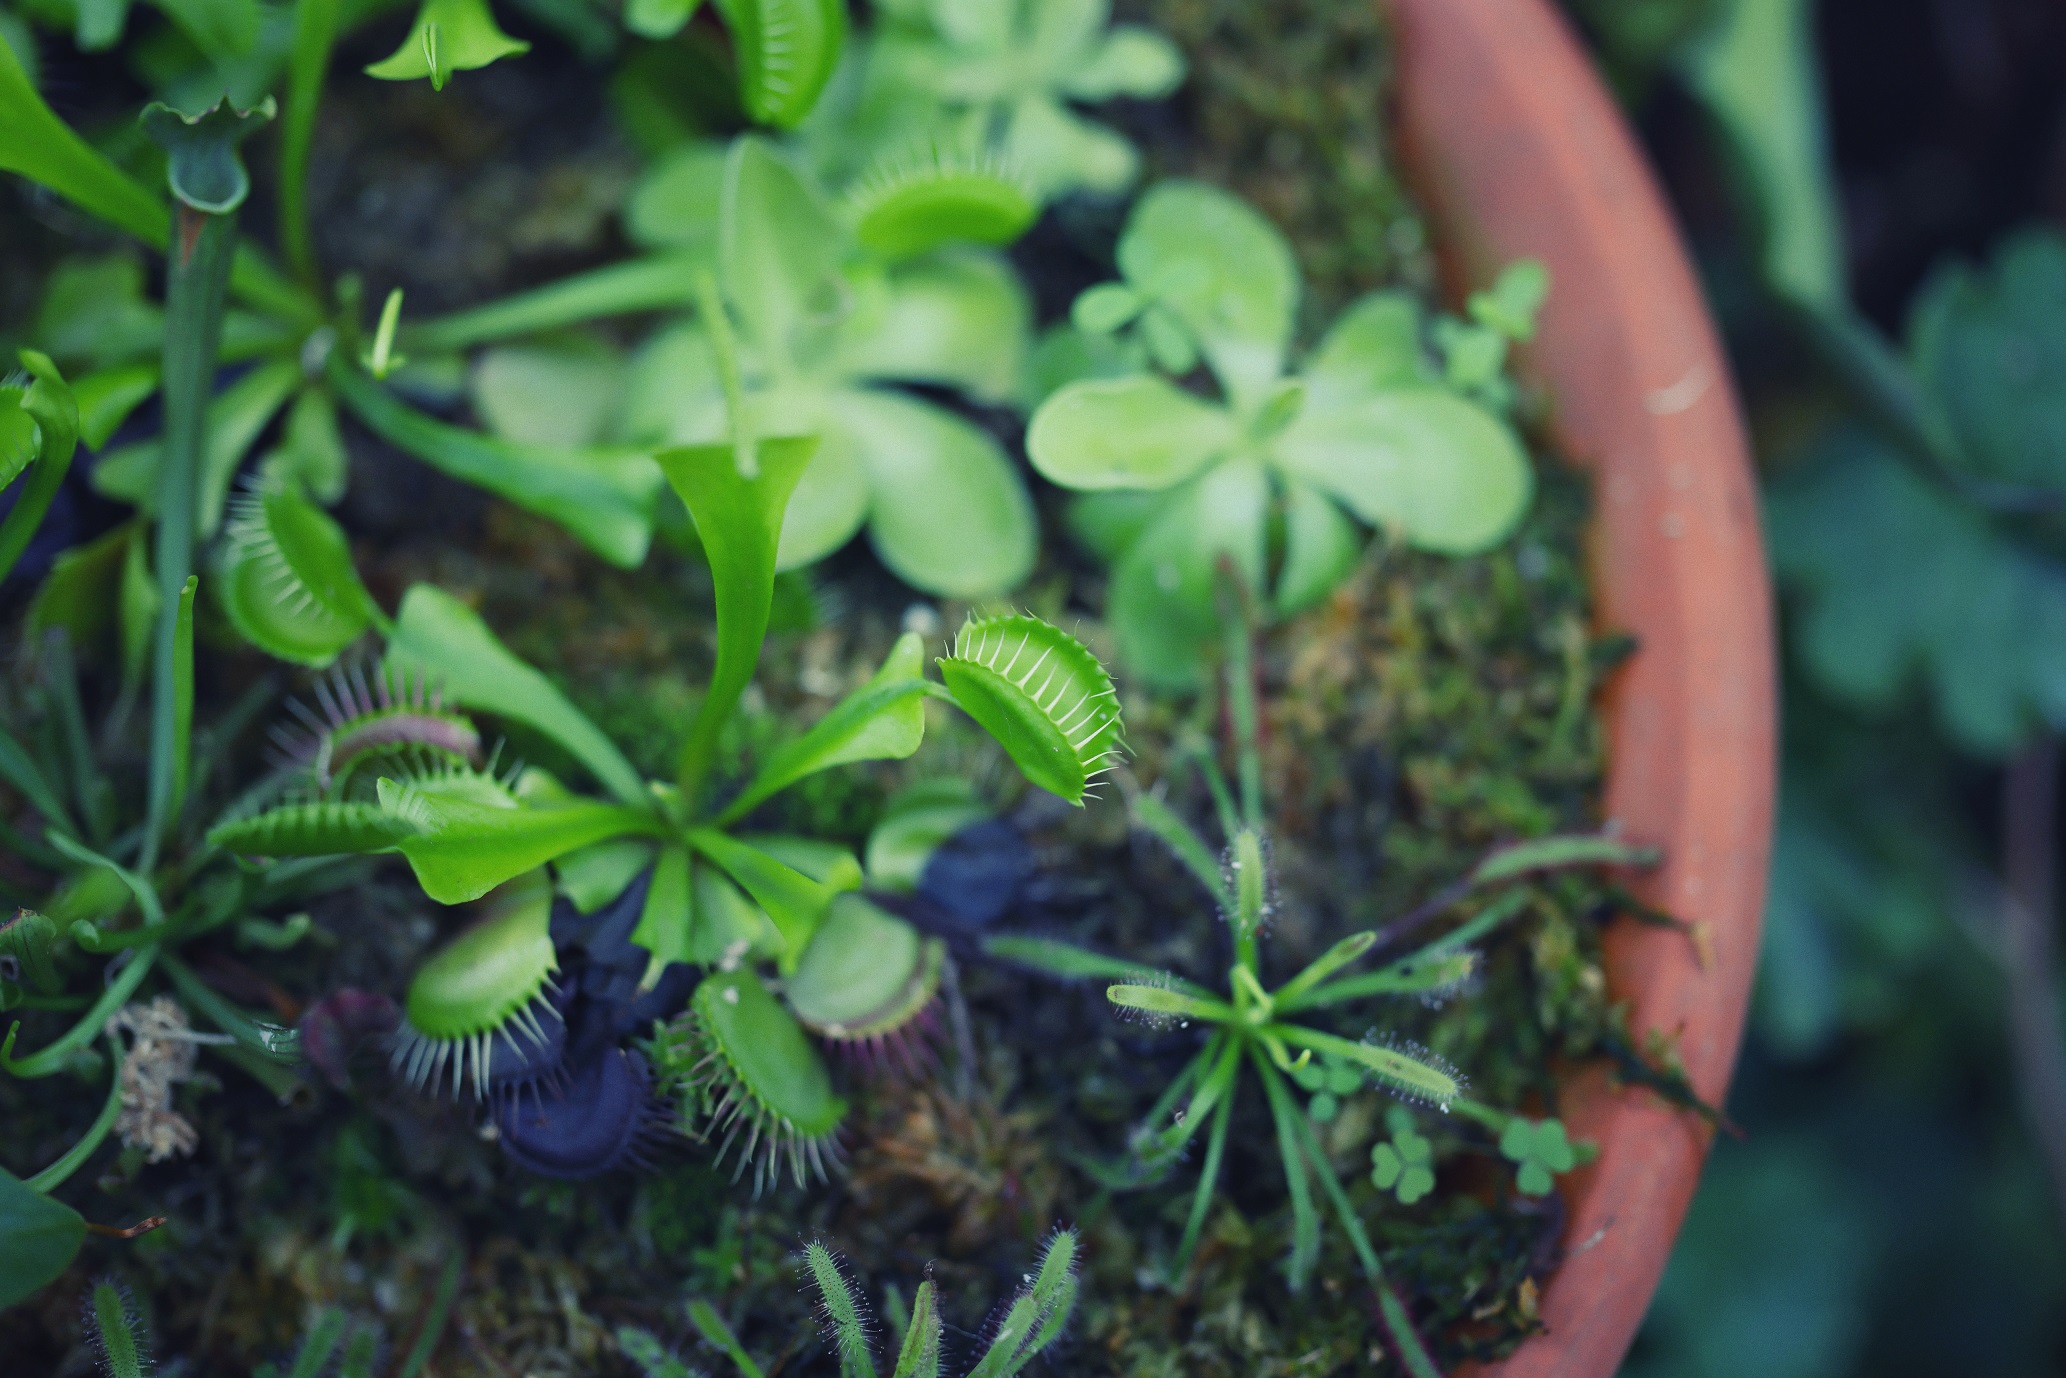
[[317, 828], [37, 144], [441, 640], [448, 36], [39, 431], [461, 847], [786, 51], [1042, 695], [603, 495], [289, 585], [912, 205]]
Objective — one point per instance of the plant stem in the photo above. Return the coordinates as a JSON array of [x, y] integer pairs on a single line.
[[315, 33], [2037, 1038], [198, 269], [1241, 707]]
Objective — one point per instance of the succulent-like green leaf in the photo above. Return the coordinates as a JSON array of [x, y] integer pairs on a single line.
[[912, 205], [445, 642], [882, 720], [1321, 546], [288, 582], [1510, 304], [957, 318], [463, 848], [739, 517], [1374, 345], [604, 495], [1440, 470], [1042, 695], [676, 204], [559, 395], [448, 36], [786, 51], [1137, 432], [779, 248], [1131, 60], [1223, 270], [930, 472], [1162, 600], [38, 1236]]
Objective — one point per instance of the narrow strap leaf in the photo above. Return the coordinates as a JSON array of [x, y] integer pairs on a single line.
[[641, 284], [712, 1327], [1159, 818], [55, 1176], [53, 1057], [55, 411], [920, 1357], [792, 899]]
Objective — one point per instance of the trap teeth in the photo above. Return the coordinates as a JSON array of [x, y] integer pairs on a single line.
[[483, 1001]]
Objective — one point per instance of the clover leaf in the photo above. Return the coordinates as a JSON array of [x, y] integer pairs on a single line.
[[1541, 1149], [825, 329], [1327, 1081], [1176, 481], [1405, 1165]]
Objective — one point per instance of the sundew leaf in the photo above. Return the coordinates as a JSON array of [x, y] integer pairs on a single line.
[[1138, 432], [1162, 606], [37, 144], [605, 496], [786, 50], [739, 518], [440, 638], [1439, 470], [289, 585], [448, 36], [779, 249], [1989, 346], [1223, 270], [958, 318], [1042, 695], [462, 849], [1895, 584], [882, 720], [931, 473], [39, 1237]]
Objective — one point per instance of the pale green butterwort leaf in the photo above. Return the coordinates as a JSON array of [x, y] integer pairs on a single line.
[[1438, 469], [464, 848], [440, 638], [779, 248], [1162, 597], [739, 518], [1139, 432], [604, 495], [448, 36], [883, 720]]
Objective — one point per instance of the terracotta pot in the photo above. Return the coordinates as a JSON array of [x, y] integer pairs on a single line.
[[1517, 151]]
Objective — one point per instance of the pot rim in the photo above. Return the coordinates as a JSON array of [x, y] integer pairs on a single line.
[[1516, 150]]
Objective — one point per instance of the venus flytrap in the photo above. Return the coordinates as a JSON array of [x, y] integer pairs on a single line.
[[392, 765], [1173, 482]]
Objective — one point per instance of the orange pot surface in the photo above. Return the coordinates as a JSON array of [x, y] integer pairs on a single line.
[[1517, 151]]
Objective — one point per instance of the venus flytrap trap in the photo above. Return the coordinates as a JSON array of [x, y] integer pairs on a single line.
[[1365, 432], [393, 765]]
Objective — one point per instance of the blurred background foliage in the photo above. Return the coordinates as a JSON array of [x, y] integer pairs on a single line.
[[1873, 191]]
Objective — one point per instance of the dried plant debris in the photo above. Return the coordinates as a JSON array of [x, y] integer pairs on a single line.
[[161, 1054]]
